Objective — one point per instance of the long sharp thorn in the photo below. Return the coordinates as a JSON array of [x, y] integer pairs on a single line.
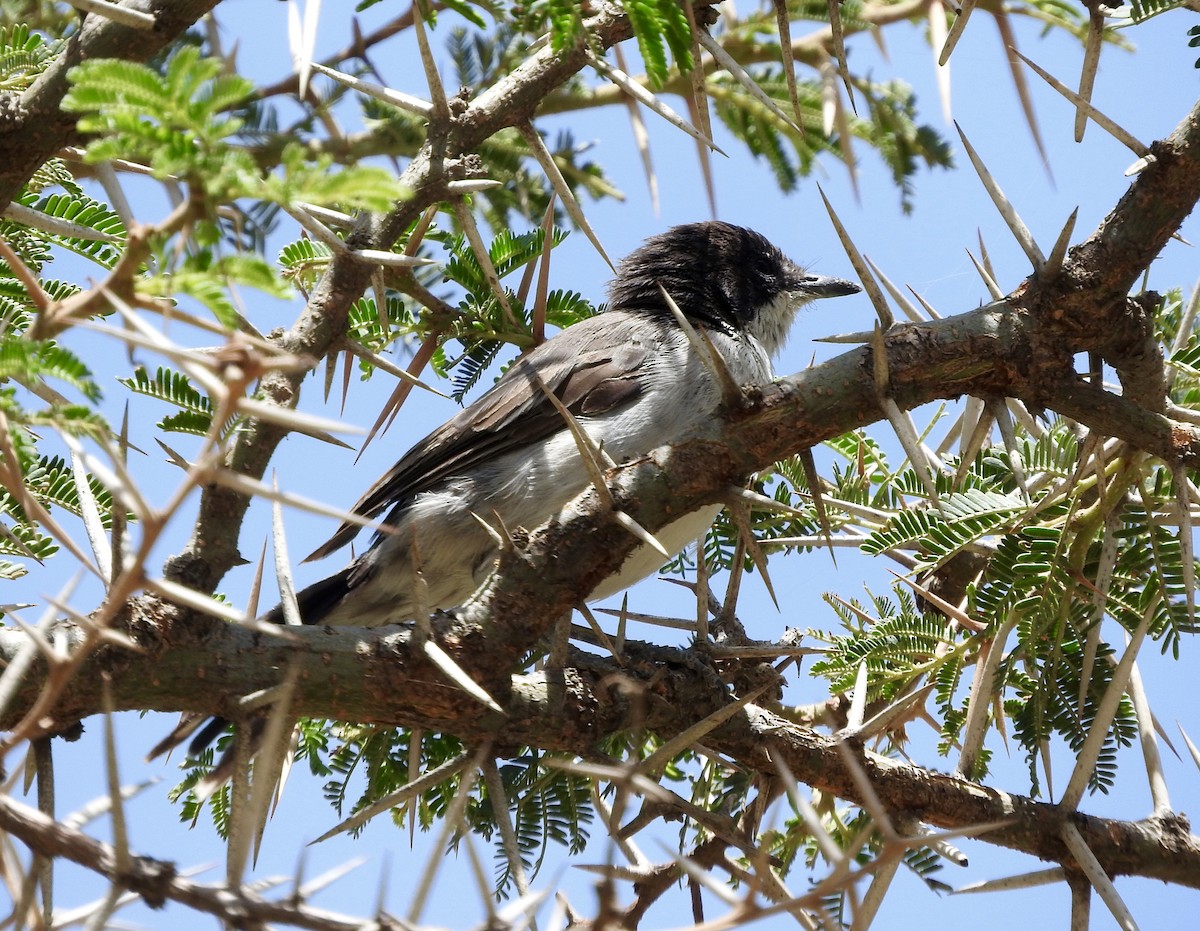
[[910, 309], [956, 31], [838, 33], [437, 94], [988, 281], [699, 82], [1054, 874], [784, 25], [391, 97], [641, 533], [1008, 39], [538, 147], [1159, 796], [937, 40], [1007, 211], [829, 98], [728, 63], [639, 93], [1096, 874], [878, 301], [973, 443], [594, 458], [741, 517], [467, 221], [1124, 137], [925, 304], [999, 411], [411, 789], [697, 111], [858, 700], [1093, 744], [1193, 750], [731, 391], [1059, 251], [841, 117], [818, 498], [641, 140], [1091, 64], [1186, 548], [456, 674]]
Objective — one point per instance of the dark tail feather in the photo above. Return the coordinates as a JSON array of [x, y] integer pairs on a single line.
[[315, 603], [317, 600], [210, 732]]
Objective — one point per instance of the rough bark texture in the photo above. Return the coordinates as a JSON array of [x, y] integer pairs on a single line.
[[1021, 347]]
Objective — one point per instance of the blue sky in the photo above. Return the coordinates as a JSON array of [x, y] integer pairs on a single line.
[[1148, 92]]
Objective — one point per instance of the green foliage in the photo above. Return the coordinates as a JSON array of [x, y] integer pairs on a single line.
[[937, 536], [362, 764], [304, 261], [182, 122], [48, 480], [547, 806], [213, 282], [1142, 10], [1050, 704], [1035, 572], [176, 121], [361, 187], [660, 25], [31, 362], [80, 209], [900, 645], [1040, 566], [485, 326], [174, 388], [566, 23], [23, 56]]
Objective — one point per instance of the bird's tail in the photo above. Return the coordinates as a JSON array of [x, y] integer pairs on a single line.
[[315, 602]]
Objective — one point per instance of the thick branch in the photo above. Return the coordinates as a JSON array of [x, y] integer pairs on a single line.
[[380, 677]]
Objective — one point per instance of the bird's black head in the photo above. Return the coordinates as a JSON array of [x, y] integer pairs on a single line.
[[722, 276]]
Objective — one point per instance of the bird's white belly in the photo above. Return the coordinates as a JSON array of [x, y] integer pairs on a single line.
[[646, 560]]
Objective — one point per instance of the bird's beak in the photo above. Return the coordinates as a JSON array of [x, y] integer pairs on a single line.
[[824, 286]]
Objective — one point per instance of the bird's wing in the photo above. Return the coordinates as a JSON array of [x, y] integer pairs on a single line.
[[591, 368]]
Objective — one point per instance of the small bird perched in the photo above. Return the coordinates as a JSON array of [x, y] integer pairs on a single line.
[[633, 382], [631, 379]]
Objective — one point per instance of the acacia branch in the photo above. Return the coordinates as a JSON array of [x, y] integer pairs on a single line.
[[381, 677], [1019, 347], [999, 349], [157, 881]]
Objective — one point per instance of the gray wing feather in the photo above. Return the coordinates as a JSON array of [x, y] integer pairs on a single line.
[[591, 368]]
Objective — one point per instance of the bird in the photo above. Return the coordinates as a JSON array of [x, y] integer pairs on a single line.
[[632, 380], [631, 377]]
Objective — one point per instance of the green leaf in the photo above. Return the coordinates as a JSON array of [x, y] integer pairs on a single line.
[[33, 362], [191, 422], [212, 282], [566, 23], [176, 121], [171, 387], [52, 481], [358, 187], [646, 20]]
